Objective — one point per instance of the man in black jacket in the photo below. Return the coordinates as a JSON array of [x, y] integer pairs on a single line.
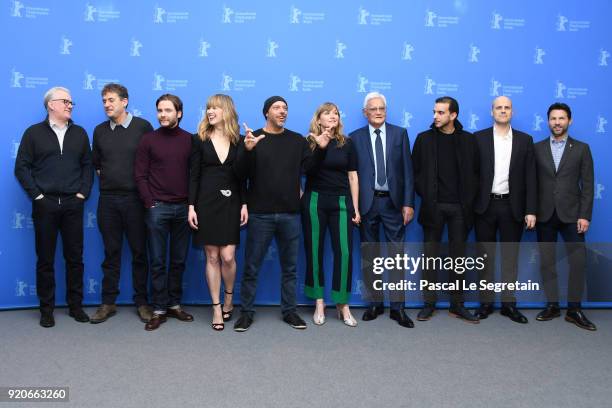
[[445, 176], [505, 202], [120, 210], [565, 204], [53, 166]]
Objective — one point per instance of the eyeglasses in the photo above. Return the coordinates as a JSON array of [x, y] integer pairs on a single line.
[[377, 109], [67, 102]]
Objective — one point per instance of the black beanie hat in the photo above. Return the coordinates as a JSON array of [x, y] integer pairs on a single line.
[[270, 101]]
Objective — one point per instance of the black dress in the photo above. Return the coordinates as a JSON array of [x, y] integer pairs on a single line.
[[217, 194]]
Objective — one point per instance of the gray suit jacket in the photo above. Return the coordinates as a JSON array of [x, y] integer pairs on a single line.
[[569, 190]]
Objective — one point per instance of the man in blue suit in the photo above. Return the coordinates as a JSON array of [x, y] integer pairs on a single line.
[[386, 191]]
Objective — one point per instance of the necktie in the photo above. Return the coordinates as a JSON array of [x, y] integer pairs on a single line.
[[381, 176]]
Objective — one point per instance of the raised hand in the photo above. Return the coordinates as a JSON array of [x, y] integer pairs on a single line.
[[250, 141]]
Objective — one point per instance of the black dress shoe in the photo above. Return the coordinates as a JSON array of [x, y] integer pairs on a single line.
[[484, 310], [513, 314], [401, 318], [425, 314], [579, 319], [460, 312], [79, 315], [47, 320], [372, 312], [552, 311]]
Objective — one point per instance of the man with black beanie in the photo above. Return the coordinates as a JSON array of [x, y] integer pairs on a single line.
[[273, 159]]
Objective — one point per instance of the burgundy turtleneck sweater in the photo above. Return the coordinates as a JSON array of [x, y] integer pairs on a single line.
[[161, 169]]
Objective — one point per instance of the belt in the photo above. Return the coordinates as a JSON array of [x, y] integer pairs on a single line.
[[500, 196], [379, 193]]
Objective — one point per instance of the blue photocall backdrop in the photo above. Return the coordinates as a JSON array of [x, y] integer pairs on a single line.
[[309, 52]]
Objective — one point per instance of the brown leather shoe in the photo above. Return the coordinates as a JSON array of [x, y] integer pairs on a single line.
[[103, 313], [145, 313], [155, 322], [180, 314]]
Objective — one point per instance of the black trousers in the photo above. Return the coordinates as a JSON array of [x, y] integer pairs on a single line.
[[63, 215], [498, 219], [451, 216], [120, 215], [576, 255]]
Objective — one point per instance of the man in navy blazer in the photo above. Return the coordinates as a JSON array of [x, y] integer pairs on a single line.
[[386, 189]]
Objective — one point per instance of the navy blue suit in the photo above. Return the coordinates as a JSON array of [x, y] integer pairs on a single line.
[[376, 208]]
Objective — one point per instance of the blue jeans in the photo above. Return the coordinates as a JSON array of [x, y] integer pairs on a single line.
[[286, 228], [167, 221]]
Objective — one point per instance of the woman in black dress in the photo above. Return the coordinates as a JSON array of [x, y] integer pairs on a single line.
[[217, 200]]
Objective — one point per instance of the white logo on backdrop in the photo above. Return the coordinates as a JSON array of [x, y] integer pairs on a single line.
[[537, 122], [272, 47], [363, 16], [407, 50], [65, 45], [473, 55], [135, 48], [16, 78], [429, 85], [294, 81], [603, 58], [294, 15], [406, 118], [601, 123], [226, 83], [340, 47], [496, 20], [361, 83], [88, 81], [204, 46], [473, 119]]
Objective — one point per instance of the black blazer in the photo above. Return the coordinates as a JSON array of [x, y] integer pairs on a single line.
[[569, 190], [521, 177], [425, 165]]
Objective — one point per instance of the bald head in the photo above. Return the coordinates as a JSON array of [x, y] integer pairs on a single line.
[[501, 110]]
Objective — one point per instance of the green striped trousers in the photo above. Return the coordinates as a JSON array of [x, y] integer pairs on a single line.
[[322, 212]]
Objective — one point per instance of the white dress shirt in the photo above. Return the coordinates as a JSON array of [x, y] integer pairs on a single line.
[[502, 145]]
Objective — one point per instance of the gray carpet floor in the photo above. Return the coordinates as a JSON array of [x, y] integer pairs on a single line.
[[440, 363]]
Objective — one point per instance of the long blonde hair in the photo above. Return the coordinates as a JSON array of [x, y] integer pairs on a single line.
[[315, 128], [230, 118]]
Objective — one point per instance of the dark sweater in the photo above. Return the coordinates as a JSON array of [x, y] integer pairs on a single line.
[[448, 170], [42, 168], [331, 175], [161, 169], [274, 168], [114, 152]]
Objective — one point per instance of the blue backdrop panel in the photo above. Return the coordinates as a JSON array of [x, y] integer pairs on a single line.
[[310, 52]]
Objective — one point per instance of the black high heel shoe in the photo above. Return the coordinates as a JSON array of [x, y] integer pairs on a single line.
[[227, 315], [218, 326]]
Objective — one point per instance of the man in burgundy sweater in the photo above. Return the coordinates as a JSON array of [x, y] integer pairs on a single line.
[[161, 172]]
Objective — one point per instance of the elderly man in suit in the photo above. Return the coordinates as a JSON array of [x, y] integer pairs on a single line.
[[565, 203], [506, 201], [386, 193]]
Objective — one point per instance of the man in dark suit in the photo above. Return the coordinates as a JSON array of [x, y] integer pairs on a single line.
[[445, 174], [386, 193], [565, 203], [505, 202]]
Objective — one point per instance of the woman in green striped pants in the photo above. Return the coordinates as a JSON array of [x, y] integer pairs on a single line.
[[330, 202]]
